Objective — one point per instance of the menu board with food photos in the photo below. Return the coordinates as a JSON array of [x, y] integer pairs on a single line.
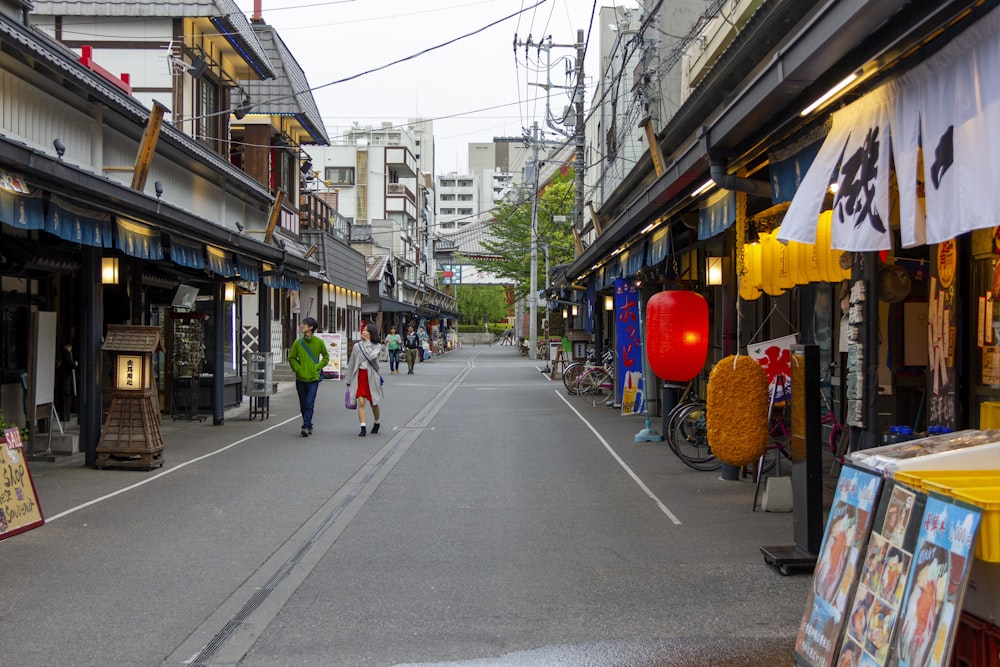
[[836, 573], [875, 610], [938, 578], [19, 510]]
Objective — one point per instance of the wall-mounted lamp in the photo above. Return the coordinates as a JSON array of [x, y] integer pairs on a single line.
[[309, 253], [158, 187], [60, 147], [109, 270], [574, 310], [229, 294], [609, 303], [713, 270], [565, 314]]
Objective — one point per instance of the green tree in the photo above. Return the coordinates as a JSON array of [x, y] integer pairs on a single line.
[[482, 303], [509, 240]]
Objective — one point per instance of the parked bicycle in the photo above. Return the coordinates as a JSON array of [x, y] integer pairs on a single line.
[[595, 384], [573, 370], [687, 431], [839, 438]]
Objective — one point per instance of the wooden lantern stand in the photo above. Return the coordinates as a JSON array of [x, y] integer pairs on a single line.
[[131, 436]]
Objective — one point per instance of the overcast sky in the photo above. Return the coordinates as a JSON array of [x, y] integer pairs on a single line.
[[473, 87]]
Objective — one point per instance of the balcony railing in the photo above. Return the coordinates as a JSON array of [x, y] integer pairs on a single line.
[[317, 214]]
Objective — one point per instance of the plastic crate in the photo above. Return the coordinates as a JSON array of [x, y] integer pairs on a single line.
[[970, 641], [949, 483], [919, 479], [991, 646], [987, 498]]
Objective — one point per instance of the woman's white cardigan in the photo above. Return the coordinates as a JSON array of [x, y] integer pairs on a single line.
[[354, 364]]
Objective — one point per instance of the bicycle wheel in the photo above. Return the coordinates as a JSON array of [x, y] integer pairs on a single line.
[[570, 375], [594, 386], [671, 422], [689, 438]]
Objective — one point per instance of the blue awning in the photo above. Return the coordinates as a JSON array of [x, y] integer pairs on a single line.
[[79, 225], [636, 259], [220, 262], [787, 174], [717, 214], [276, 281], [138, 240], [659, 246], [248, 271], [22, 211], [189, 255]]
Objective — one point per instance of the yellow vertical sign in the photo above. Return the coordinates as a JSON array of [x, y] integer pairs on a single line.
[[19, 510]]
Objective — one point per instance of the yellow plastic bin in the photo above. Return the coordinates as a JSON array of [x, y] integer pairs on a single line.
[[949, 483], [987, 498], [921, 479]]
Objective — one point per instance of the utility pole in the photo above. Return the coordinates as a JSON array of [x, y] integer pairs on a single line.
[[579, 135], [533, 281]]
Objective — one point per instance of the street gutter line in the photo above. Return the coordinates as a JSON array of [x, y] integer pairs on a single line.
[[229, 633], [160, 474], [659, 503]]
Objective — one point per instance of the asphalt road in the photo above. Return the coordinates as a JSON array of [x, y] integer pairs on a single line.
[[494, 521]]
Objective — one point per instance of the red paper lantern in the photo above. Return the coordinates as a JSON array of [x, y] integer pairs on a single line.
[[677, 334]]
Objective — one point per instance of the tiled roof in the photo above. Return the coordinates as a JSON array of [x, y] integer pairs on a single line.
[[288, 93], [226, 12]]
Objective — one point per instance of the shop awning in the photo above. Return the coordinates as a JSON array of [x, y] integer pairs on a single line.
[[281, 281], [137, 240], [78, 224], [220, 262], [188, 255], [19, 209], [948, 107], [659, 246], [716, 214], [387, 305], [247, 270]]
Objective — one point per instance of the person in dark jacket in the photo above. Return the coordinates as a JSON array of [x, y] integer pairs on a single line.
[[411, 344]]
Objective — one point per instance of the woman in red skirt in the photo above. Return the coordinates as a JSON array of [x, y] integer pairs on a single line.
[[364, 379]]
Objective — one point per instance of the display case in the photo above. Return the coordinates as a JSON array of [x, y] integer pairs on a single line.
[[187, 355]]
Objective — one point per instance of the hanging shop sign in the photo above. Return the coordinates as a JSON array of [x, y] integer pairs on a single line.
[[629, 336], [943, 108]]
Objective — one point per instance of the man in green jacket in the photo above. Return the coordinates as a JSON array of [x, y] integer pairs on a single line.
[[307, 358]]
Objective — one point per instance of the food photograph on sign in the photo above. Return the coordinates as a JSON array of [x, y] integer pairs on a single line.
[[936, 584]]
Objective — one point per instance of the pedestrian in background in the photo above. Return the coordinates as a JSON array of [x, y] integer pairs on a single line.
[[411, 344], [364, 380], [508, 337], [307, 358], [393, 343], [66, 369], [425, 346]]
